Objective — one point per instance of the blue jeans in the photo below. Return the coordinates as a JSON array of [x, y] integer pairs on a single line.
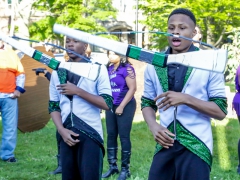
[[9, 111]]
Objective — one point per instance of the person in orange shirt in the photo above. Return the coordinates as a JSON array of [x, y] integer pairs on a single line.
[[11, 86]]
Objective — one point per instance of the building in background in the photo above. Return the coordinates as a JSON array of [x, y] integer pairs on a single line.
[[128, 18], [128, 12]]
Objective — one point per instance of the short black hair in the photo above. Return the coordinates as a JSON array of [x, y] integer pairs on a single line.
[[184, 11]]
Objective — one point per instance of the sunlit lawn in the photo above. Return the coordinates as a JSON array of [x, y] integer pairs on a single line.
[[231, 85], [36, 153]]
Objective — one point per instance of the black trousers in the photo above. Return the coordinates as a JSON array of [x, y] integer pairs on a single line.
[[121, 125], [83, 161], [58, 138], [178, 163]]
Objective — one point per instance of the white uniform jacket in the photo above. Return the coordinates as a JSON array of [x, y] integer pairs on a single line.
[[192, 128]]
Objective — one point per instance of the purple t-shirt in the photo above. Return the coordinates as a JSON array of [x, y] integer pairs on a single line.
[[236, 79], [118, 82], [236, 99]]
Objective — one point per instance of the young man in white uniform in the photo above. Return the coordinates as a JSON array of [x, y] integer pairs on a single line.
[[74, 105], [186, 99]]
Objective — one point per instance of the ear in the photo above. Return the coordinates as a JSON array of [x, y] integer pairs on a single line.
[[85, 46], [194, 32]]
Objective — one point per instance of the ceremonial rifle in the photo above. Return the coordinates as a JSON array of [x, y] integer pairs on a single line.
[[211, 60], [81, 69]]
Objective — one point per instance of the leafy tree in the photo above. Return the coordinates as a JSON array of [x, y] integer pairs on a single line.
[[215, 17], [233, 54], [21, 11], [85, 15]]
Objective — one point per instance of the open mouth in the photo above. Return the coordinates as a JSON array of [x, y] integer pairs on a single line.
[[70, 51], [176, 42]]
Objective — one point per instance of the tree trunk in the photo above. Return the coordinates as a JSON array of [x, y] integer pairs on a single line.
[[24, 13], [210, 37], [12, 19]]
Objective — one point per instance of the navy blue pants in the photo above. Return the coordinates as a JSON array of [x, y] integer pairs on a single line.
[[83, 161], [178, 163]]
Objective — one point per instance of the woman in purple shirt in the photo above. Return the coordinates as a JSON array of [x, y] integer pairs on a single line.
[[119, 119], [236, 105]]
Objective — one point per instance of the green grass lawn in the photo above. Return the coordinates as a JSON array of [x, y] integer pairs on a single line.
[[36, 153], [231, 85]]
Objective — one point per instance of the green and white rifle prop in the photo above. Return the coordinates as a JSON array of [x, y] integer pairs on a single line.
[[87, 70], [211, 60]]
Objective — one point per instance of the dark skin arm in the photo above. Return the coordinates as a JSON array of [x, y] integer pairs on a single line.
[[72, 89], [160, 133], [172, 98], [16, 94], [65, 133], [131, 83]]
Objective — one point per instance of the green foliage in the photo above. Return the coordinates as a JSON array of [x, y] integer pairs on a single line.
[[233, 55], [36, 153], [72, 13], [215, 17], [231, 86]]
